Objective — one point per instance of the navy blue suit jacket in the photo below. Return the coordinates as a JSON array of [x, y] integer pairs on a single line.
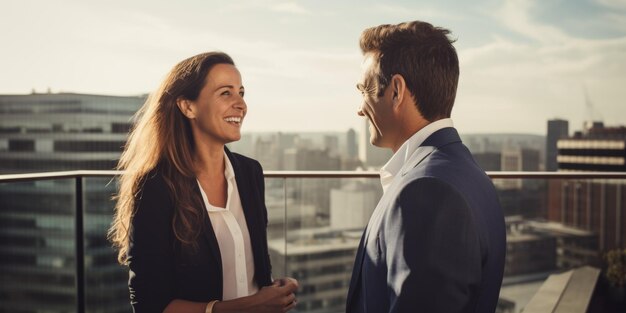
[[441, 240], [160, 271]]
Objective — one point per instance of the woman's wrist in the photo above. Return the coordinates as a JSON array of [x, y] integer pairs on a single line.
[[210, 306], [243, 304]]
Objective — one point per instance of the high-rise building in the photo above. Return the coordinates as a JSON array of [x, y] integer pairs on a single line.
[[267, 153], [307, 159], [517, 159], [593, 205], [351, 143], [557, 129], [52, 132], [331, 144], [64, 131], [597, 148], [371, 155]]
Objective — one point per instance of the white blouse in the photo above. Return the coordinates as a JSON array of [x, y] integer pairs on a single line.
[[233, 238]]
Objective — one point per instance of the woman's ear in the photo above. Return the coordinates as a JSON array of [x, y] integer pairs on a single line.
[[186, 107]]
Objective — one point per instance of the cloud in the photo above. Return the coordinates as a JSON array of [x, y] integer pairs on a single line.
[[515, 15], [539, 78], [403, 12], [613, 4]]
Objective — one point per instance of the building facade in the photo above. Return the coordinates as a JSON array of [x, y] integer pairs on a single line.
[[38, 234], [557, 129], [593, 205]]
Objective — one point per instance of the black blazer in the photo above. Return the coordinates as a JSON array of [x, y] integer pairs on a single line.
[[160, 271]]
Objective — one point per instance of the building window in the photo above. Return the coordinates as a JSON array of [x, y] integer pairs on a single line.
[[21, 145]]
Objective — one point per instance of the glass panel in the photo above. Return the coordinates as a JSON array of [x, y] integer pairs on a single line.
[[106, 281], [554, 225], [37, 246], [275, 203], [325, 221], [315, 225]]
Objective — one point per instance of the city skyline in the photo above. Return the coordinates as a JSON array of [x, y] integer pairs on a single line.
[[522, 62]]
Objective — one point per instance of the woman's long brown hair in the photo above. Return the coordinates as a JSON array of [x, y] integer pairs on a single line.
[[161, 137]]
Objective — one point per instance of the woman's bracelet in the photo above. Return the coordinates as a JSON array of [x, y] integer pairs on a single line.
[[209, 306]]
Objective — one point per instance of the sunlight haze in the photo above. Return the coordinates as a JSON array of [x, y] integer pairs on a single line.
[[522, 61]]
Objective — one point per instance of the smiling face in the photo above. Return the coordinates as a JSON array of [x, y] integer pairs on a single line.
[[379, 110], [218, 112]]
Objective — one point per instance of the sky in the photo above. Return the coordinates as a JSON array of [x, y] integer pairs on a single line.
[[522, 61]]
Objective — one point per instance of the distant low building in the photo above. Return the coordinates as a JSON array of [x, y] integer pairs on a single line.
[[539, 246], [489, 161], [321, 260]]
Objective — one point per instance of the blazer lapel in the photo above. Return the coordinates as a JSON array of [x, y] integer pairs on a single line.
[[252, 213], [243, 185], [418, 156], [209, 234]]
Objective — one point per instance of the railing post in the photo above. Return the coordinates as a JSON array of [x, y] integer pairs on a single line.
[[285, 268], [80, 246]]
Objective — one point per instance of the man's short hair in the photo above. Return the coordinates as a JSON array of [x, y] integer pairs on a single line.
[[424, 56]]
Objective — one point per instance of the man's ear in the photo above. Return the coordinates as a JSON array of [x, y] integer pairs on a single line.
[[186, 107], [398, 89]]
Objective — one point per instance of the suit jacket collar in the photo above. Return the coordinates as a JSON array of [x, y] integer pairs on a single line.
[[407, 153], [442, 137]]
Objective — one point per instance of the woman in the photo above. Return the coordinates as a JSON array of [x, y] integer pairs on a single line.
[[190, 219]]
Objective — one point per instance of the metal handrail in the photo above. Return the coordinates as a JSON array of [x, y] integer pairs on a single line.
[[7, 178]]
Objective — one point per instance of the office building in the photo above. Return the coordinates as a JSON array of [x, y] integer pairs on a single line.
[[517, 159], [592, 205], [266, 151], [557, 129], [373, 157], [321, 260], [597, 148], [488, 161], [537, 246], [352, 205], [351, 144], [53, 132], [56, 132]]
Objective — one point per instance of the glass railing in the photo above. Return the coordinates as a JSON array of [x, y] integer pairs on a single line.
[[54, 253]]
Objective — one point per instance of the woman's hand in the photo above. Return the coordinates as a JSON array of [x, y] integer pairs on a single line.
[[278, 297]]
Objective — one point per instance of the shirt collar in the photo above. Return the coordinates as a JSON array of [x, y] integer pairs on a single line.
[[407, 151]]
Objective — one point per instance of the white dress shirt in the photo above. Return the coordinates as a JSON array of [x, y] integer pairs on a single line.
[[233, 238], [407, 155], [405, 159]]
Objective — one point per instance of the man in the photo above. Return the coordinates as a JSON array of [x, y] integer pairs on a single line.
[[436, 240]]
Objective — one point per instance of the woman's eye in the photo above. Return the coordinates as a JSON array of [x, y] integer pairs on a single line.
[[241, 93], [226, 93]]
